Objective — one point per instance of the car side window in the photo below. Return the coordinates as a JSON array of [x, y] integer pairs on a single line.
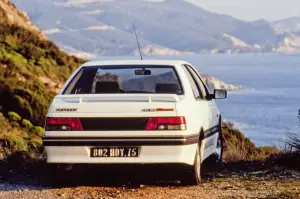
[[199, 82], [195, 87]]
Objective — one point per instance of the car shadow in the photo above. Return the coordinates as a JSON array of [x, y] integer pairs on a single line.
[[127, 176], [32, 174], [39, 175]]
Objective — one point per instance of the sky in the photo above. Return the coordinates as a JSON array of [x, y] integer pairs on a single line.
[[252, 9]]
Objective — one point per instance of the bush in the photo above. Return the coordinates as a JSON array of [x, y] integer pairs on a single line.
[[38, 130], [35, 143], [14, 117], [17, 142], [286, 159], [27, 124], [29, 51], [27, 57], [293, 143], [238, 148]]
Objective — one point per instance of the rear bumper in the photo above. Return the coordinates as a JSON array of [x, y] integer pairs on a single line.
[[152, 150]]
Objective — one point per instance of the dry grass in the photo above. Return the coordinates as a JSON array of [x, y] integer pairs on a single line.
[[239, 148]]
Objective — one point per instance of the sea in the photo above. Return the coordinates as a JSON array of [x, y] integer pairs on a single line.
[[267, 110]]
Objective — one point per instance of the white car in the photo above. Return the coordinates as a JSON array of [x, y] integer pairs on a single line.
[[135, 112]]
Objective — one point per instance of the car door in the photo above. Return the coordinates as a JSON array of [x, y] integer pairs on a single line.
[[210, 136]]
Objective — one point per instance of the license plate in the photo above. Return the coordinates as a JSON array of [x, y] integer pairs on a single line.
[[115, 152]]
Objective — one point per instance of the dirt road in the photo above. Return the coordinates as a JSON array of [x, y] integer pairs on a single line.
[[245, 181]]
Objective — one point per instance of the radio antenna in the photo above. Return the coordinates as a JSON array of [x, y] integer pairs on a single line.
[[137, 40]]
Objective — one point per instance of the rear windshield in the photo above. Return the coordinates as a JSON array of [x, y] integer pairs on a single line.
[[125, 79]]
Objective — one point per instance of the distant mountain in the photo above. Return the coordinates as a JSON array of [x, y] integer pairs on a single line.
[[289, 29], [102, 27], [289, 25]]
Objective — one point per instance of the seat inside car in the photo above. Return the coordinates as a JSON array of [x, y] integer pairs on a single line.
[[107, 87], [166, 88]]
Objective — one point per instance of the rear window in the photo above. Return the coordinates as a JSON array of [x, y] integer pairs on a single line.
[[125, 79]]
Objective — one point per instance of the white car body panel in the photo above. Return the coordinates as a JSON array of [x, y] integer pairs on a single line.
[[148, 155], [202, 118]]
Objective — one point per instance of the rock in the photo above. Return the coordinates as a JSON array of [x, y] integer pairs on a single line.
[[214, 83], [18, 17]]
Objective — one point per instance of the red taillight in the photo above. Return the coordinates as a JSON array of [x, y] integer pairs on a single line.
[[63, 124], [166, 123]]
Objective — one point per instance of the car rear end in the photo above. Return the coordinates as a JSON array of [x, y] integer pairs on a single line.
[[120, 114]]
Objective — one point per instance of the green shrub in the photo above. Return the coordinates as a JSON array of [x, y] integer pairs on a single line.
[[18, 143], [24, 57], [27, 124], [35, 143], [14, 117], [27, 56], [15, 124], [38, 130]]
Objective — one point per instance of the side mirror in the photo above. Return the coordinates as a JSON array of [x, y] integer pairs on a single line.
[[220, 94]]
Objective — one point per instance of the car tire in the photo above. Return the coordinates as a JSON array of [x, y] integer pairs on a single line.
[[219, 148], [193, 174]]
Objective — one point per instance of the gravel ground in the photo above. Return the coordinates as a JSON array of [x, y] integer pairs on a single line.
[[229, 188], [231, 181]]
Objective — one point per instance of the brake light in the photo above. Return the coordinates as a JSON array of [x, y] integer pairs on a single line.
[[166, 123], [63, 124]]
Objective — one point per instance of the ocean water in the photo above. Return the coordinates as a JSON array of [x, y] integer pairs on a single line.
[[266, 112]]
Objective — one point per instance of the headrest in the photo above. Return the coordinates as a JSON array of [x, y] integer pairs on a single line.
[[107, 87], [167, 88]]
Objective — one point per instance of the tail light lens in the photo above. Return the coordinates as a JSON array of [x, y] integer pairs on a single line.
[[166, 123], [63, 124]]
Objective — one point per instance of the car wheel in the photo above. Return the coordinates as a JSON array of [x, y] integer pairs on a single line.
[[219, 149], [193, 175]]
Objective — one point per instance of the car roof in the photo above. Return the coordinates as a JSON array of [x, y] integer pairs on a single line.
[[134, 62]]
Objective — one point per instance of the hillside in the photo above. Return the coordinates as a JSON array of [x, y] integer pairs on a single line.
[[11, 15], [290, 30], [105, 27], [32, 69], [289, 25]]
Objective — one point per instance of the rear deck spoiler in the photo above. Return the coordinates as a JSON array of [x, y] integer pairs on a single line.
[[116, 98]]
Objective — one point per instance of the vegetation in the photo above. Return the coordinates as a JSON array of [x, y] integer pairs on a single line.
[[15, 138], [290, 157], [239, 148], [15, 117], [31, 69], [26, 124]]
